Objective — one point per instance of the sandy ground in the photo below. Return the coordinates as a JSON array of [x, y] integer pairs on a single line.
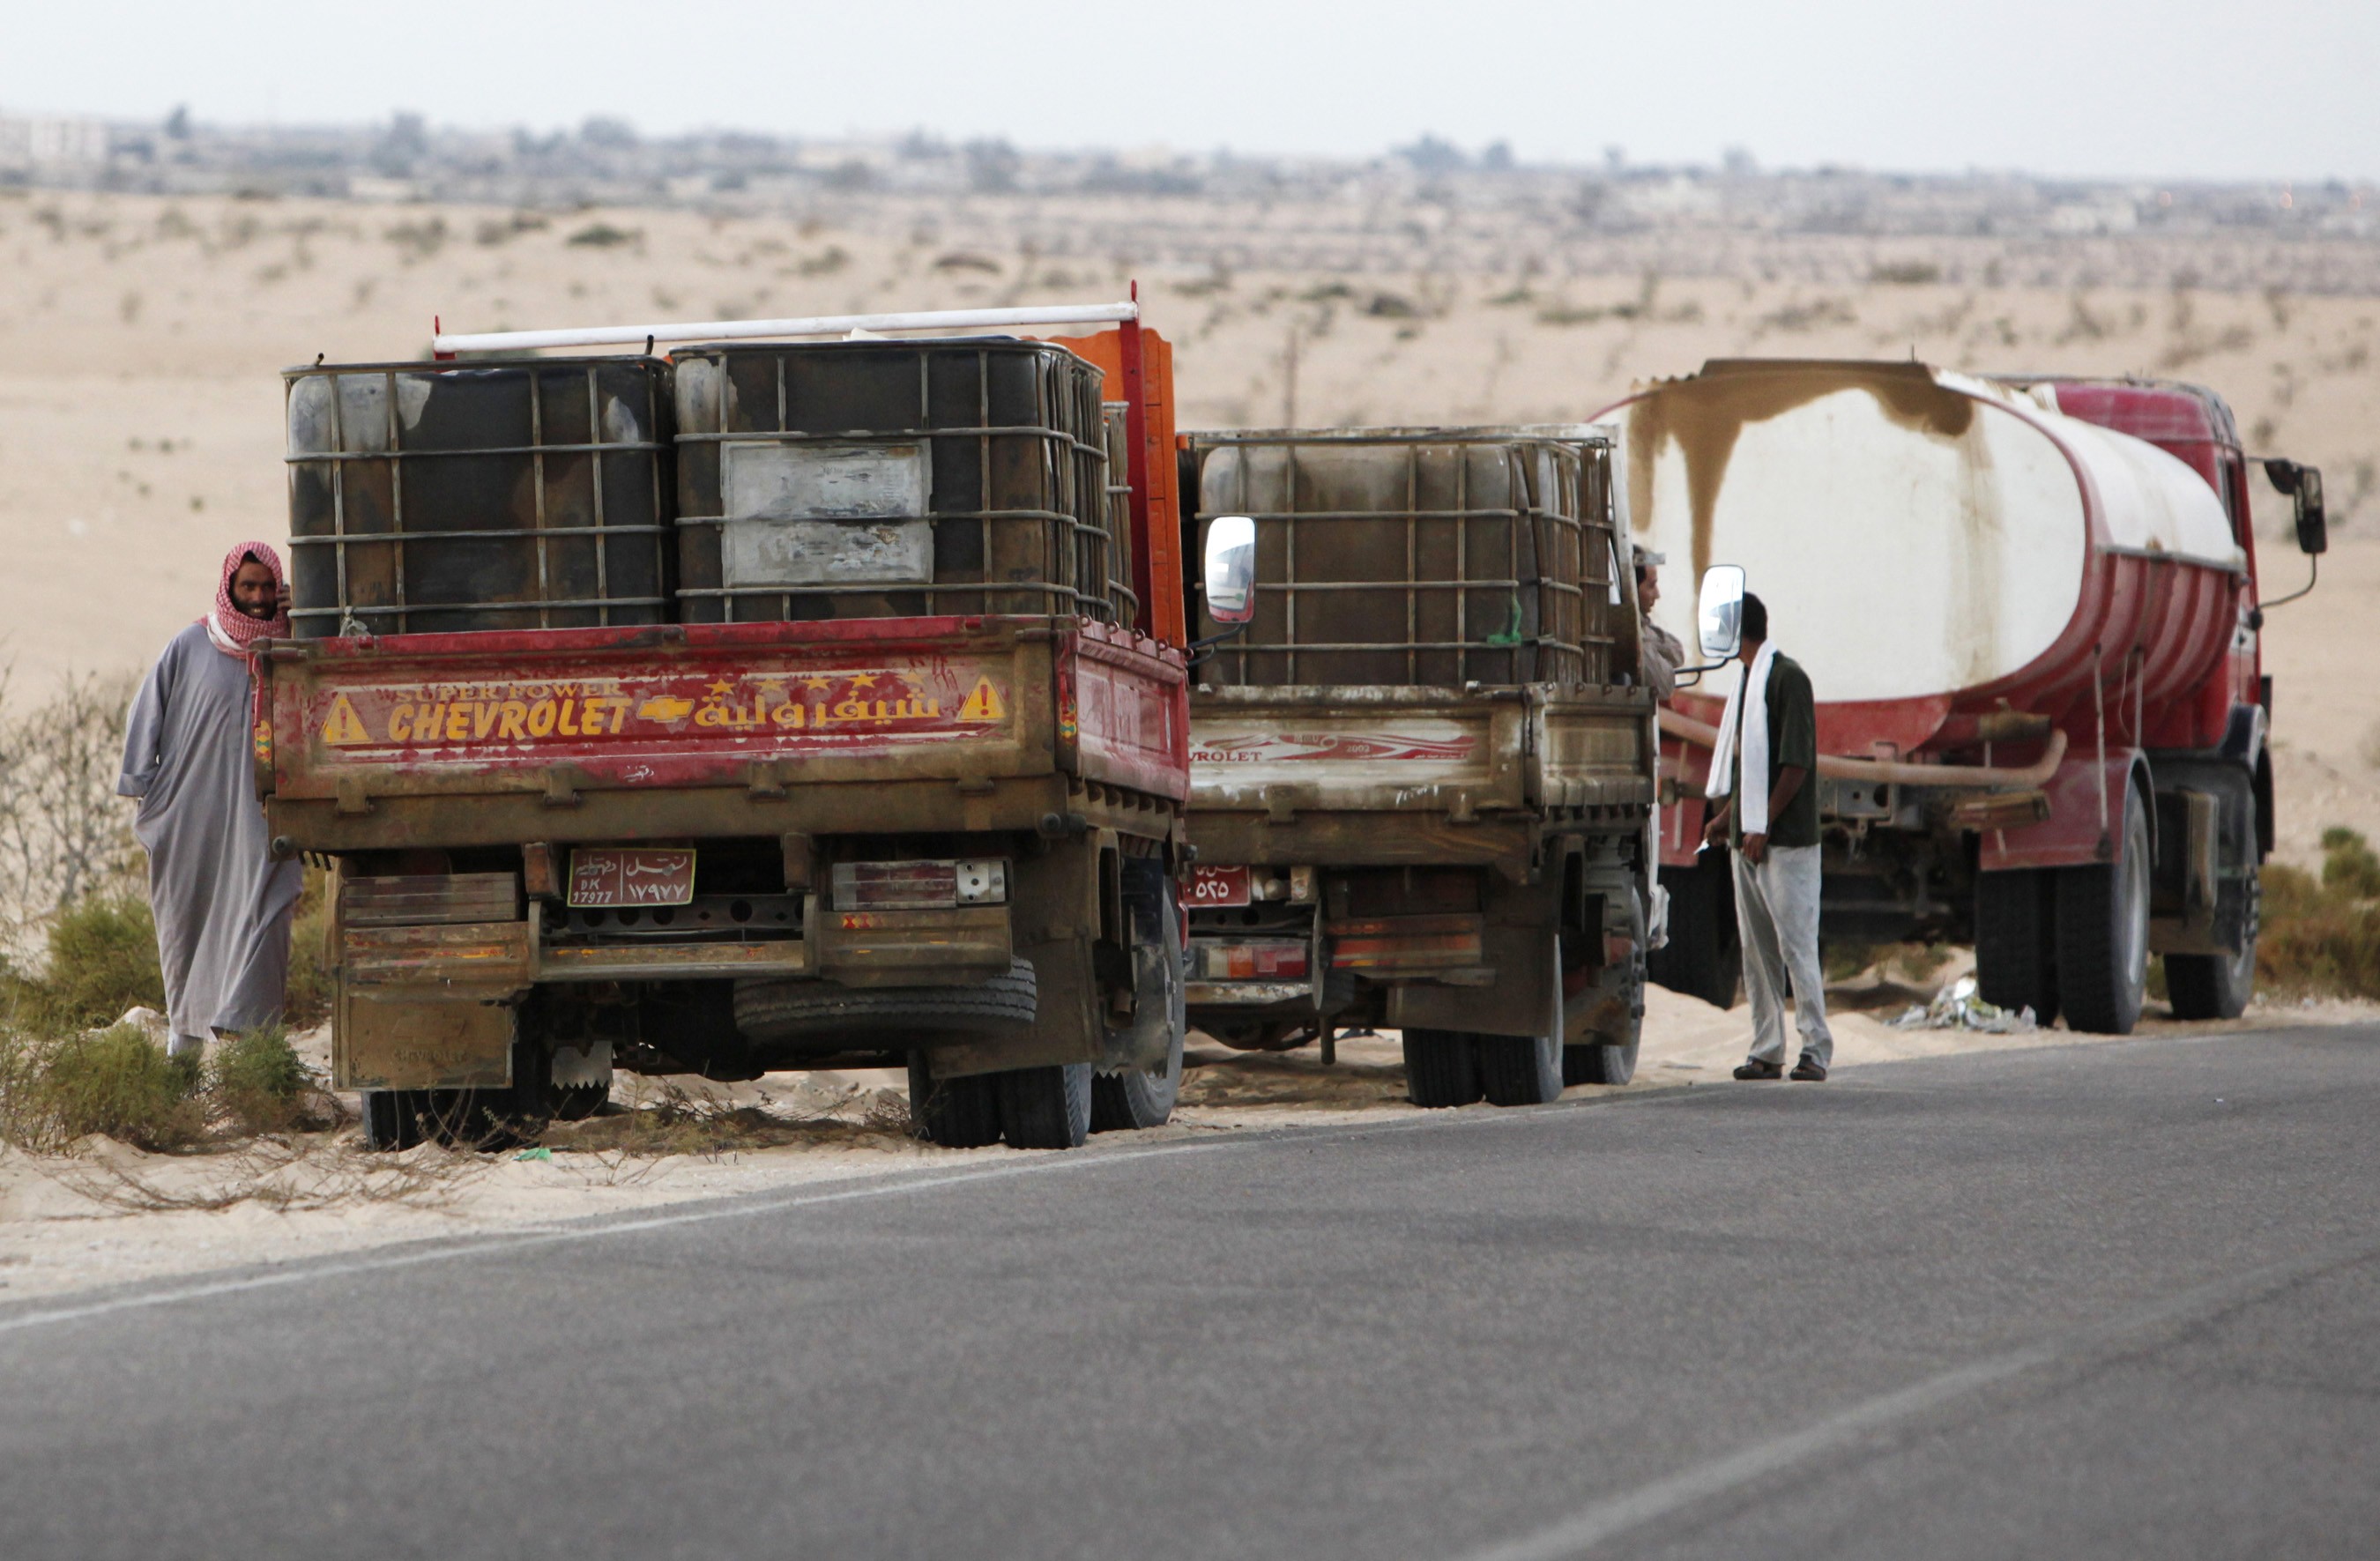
[[109, 1215]]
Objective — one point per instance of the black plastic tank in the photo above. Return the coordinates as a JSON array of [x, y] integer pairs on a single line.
[[525, 493], [892, 479], [1432, 557]]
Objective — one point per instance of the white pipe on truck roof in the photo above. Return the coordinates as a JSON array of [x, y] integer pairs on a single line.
[[813, 325]]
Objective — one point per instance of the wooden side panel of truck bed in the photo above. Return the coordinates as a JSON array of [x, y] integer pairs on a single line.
[[564, 733], [1393, 774]]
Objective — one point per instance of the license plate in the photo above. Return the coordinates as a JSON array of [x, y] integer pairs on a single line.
[[645, 876], [1218, 886]]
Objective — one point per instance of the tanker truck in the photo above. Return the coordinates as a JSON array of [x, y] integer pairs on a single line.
[[1420, 777], [2030, 607], [778, 704]]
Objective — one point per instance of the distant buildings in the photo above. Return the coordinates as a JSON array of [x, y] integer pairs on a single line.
[[1429, 203]]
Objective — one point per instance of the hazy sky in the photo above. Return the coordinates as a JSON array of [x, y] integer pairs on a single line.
[[2175, 89]]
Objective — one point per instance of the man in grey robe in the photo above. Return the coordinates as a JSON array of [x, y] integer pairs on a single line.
[[223, 904]]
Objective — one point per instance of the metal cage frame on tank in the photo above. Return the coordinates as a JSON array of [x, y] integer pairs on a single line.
[[1557, 640], [335, 474], [1057, 556]]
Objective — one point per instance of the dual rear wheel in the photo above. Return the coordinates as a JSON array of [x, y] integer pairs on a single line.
[[1058, 1106], [2075, 940]]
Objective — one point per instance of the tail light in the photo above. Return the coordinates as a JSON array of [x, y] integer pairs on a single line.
[[1252, 960], [1389, 944], [920, 886]]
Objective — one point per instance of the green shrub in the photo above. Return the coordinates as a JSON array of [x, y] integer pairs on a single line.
[[257, 1081], [2348, 863], [103, 960], [310, 989], [116, 1082], [2321, 938]]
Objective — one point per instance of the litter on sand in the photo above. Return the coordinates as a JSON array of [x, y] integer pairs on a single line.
[[1956, 1006], [539, 1152]]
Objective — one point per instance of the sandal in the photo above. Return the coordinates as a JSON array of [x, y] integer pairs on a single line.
[[1809, 1072], [1754, 1068]]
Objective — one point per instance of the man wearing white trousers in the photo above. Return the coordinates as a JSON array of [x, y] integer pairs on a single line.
[[1770, 735]]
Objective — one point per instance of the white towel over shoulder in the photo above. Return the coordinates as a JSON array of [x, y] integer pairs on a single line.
[[1747, 712]]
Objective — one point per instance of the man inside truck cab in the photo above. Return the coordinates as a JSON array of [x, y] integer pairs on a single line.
[[1661, 652], [1770, 735]]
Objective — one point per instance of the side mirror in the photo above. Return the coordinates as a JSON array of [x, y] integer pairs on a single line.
[[2313, 526], [2304, 484], [1719, 616], [1231, 572]]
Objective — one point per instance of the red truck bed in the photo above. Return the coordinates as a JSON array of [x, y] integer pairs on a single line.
[[686, 729]]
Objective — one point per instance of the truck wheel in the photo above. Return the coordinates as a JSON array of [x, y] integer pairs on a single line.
[[1048, 1107], [392, 1119], [2103, 933], [1703, 958], [780, 1011], [1440, 1068], [1519, 1070], [1139, 1098], [1619, 1013], [2218, 985], [576, 1102], [2016, 923], [955, 1113], [1526, 1070]]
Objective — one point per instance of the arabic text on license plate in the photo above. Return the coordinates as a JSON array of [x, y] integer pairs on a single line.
[[1218, 886], [639, 876]]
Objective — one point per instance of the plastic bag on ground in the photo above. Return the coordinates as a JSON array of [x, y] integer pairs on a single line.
[[1956, 1007]]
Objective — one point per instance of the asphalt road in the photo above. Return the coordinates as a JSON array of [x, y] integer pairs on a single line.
[[2113, 1300]]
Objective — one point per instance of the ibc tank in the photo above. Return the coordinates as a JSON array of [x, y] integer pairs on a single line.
[[891, 479], [1925, 542], [518, 494], [1431, 557]]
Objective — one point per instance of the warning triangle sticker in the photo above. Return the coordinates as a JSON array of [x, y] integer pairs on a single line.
[[983, 704], [342, 728]]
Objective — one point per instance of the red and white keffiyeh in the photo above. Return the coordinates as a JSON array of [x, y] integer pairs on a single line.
[[233, 631]]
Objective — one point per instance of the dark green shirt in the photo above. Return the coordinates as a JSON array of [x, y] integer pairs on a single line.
[[1792, 739]]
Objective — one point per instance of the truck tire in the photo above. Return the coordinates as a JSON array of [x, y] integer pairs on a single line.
[[1519, 1070], [1703, 958], [392, 1119], [2218, 985], [2103, 933], [2016, 929], [1526, 1070], [955, 1113], [576, 1102], [1047, 1108], [1139, 1098], [1440, 1068], [781, 1010], [1613, 1058]]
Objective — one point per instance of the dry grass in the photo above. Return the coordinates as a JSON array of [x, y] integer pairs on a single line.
[[287, 1174], [1291, 1079], [2320, 937], [113, 1083], [661, 1120]]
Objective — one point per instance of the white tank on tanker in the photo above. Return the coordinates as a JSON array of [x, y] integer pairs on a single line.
[[1913, 532]]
